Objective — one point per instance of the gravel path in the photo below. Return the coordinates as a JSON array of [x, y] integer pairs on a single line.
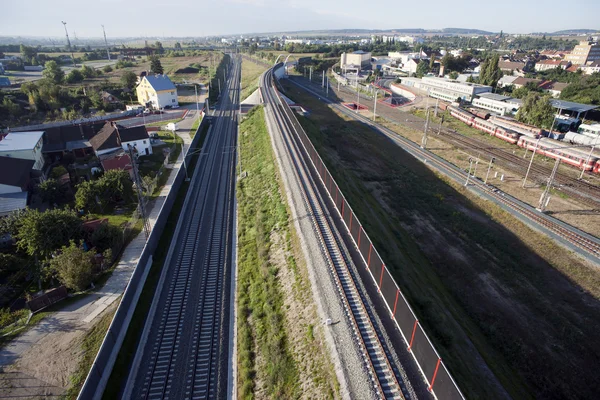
[[352, 376]]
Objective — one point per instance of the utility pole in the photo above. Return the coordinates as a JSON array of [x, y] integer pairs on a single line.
[[197, 104], [437, 102], [357, 97], [310, 74], [375, 107], [476, 164], [546, 195], [531, 162], [323, 83], [140, 196], [488, 171], [469, 173], [69, 43], [327, 86], [440, 127], [424, 140], [106, 43]]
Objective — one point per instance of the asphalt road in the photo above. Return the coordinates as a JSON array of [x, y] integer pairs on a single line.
[[184, 348]]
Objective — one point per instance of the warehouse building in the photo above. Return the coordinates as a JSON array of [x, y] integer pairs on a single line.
[[447, 89], [358, 59]]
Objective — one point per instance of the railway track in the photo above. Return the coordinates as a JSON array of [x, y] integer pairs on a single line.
[[367, 334], [581, 190], [184, 348], [577, 238]]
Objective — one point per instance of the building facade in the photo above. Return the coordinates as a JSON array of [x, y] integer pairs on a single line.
[[157, 91], [24, 145], [359, 59], [585, 52]]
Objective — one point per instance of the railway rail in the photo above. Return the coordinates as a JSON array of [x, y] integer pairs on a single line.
[[580, 190], [572, 235], [386, 382], [184, 351]]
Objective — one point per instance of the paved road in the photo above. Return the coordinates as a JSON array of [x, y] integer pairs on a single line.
[[184, 348]]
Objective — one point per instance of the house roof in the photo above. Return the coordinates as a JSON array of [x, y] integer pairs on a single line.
[[549, 62], [20, 140], [571, 106], [113, 135], [133, 133], [508, 79], [160, 82], [106, 138], [523, 81], [10, 202], [69, 137], [117, 160], [510, 65], [573, 68], [551, 85], [15, 171]]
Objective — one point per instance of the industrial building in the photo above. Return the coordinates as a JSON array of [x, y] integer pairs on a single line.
[[447, 89], [357, 60]]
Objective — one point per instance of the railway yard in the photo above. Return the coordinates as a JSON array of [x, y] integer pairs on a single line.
[[433, 230]]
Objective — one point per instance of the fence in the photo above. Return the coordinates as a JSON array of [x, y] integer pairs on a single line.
[[76, 121], [101, 369], [439, 380], [47, 299]]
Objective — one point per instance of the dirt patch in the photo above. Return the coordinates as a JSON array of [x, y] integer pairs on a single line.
[[45, 369]]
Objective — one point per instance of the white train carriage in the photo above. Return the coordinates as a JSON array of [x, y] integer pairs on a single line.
[[555, 149]]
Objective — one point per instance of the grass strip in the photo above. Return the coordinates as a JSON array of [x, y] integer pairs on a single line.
[[261, 323]]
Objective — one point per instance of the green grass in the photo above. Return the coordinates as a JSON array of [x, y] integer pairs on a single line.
[[165, 122], [195, 126], [127, 353], [510, 301], [261, 322], [251, 71], [89, 345]]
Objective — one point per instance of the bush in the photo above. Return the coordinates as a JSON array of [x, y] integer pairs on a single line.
[[107, 237], [74, 267], [107, 69], [7, 317], [58, 171]]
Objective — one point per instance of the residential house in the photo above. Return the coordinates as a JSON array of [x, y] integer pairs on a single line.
[[109, 98], [157, 91], [410, 66], [544, 65], [70, 139], [507, 80], [15, 174], [591, 68], [520, 82], [113, 137], [118, 159], [511, 66], [24, 145], [555, 88]]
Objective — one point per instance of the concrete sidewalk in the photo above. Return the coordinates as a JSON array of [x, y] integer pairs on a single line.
[[80, 313]]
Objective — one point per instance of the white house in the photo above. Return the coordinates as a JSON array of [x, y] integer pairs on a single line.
[[157, 91], [24, 145], [113, 137]]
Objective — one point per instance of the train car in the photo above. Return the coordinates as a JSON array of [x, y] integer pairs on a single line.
[[507, 135], [443, 105], [483, 125], [480, 113], [596, 169], [577, 157], [517, 126], [462, 115]]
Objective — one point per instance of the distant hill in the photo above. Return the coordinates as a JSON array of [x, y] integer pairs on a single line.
[[462, 31], [575, 32]]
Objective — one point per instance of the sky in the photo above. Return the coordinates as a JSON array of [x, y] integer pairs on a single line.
[[164, 18]]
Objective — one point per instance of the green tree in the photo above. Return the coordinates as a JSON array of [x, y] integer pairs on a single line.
[[159, 47], [107, 69], [73, 266], [28, 53], [129, 80], [453, 75], [41, 233], [51, 191], [53, 73], [155, 65], [116, 186], [537, 110], [177, 46], [74, 76], [422, 69], [490, 72], [431, 62], [11, 108], [88, 71], [85, 197]]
